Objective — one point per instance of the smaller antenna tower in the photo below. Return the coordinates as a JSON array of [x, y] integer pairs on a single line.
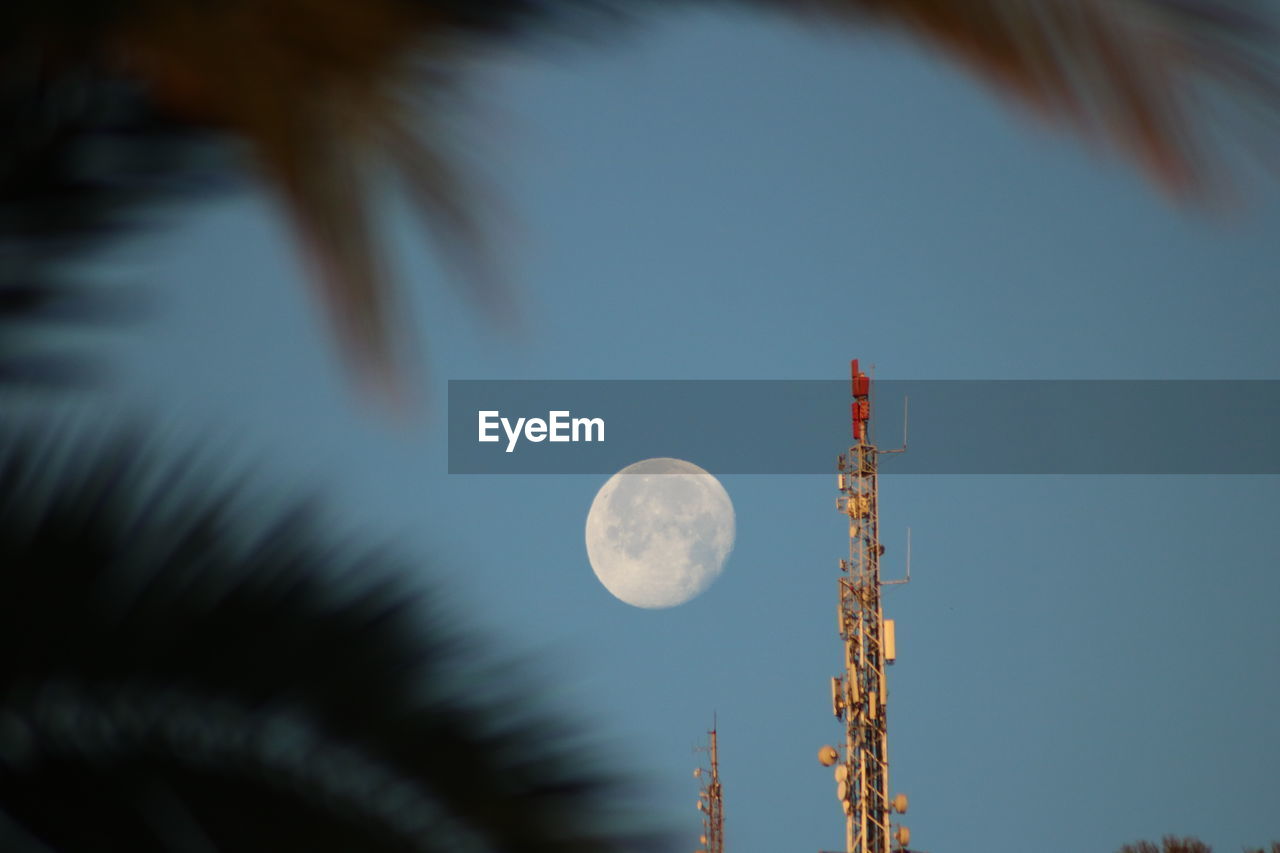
[[709, 801]]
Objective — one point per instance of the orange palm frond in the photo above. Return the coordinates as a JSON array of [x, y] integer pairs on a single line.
[[327, 94], [313, 88], [1132, 72]]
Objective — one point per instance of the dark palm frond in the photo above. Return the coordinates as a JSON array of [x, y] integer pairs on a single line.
[[84, 158], [325, 95], [177, 676]]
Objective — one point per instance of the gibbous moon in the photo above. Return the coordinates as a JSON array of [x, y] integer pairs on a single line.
[[659, 531]]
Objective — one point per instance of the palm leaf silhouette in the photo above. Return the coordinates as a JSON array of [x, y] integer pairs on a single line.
[[326, 94], [176, 676], [85, 158]]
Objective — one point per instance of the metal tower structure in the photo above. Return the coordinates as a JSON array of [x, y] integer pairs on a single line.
[[858, 697], [709, 801]]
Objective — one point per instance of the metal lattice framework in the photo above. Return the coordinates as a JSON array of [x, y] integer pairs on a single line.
[[709, 800], [859, 696]]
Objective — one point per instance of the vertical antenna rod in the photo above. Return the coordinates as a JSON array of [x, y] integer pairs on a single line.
[[709, 800], [858, 697]]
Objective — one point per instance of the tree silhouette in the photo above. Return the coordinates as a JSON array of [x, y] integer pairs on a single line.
[[1173, 844], [1169, 844], [185, 669], [110, 106]]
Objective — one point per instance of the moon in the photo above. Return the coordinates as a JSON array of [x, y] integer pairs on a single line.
[[659, 532]]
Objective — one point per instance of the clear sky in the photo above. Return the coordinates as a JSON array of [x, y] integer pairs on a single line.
[[1083, 661]]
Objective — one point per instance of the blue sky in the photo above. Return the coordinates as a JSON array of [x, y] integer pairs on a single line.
[[1083, 661]]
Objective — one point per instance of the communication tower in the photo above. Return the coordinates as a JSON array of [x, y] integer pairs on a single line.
[[709, 801], [858, 697]]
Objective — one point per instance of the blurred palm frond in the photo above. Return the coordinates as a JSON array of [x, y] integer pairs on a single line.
[[1140, 74], [181, 669], [325, 96], [85, 159]]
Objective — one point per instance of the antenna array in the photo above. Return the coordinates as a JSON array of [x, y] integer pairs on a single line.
[[858, 697]]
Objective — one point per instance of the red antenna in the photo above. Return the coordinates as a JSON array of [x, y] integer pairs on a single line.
[[860, 408]]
